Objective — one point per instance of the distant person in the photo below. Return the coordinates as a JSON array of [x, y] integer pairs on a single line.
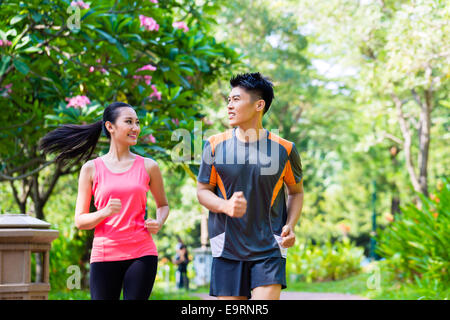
[[242, 181], [181, 260], [123, 254]]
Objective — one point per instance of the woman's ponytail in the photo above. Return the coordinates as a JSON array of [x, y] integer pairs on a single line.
[[78, 141], [72, 141]]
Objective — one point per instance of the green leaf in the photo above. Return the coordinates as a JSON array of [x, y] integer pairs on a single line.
[[106, 36], [31, 50], [16, 19], [21, 66], [4, 64], [122, 50]]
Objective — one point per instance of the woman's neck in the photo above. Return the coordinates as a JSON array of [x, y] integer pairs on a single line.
[[118, 152]]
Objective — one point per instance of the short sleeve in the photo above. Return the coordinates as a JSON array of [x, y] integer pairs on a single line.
[[207, 172], [294, 172]]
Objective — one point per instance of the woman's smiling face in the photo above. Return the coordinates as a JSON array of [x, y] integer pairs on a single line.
[[126, 128]]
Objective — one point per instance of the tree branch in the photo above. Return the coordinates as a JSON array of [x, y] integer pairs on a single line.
[[52, 184], [391, 137], [407, 142], [6, 177]]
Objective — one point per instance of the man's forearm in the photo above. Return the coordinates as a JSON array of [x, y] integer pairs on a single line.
[[211, 201], [294, 209]]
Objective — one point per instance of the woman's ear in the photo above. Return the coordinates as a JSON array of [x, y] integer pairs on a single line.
[[109, 126]]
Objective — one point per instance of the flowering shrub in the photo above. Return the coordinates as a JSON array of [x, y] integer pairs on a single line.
[[121, 51], [181, 25], [416, 242], [78, 102], [148, 23]]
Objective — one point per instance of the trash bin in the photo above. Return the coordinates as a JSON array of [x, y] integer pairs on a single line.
[[202, 265], [21, 236]]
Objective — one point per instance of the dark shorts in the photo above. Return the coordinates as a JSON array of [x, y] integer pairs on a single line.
[[239, 278]]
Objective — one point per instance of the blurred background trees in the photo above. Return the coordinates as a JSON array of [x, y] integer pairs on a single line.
[[361, 87]]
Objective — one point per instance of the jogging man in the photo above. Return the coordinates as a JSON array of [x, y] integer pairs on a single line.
[[242, 181]]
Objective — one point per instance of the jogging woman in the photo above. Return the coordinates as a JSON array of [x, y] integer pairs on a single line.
[[123, 254]]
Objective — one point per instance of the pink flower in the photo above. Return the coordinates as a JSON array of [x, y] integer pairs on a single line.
[[155, 93], [78, 102], [147, 67], [176, 121], [148, 23], [5, 43], [154, 1], [80, 4], [146, 78], [149, 138], [181, 25], [6, 90], [91, 69]]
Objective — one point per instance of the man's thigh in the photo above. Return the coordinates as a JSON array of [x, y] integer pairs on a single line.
[[268, 277], [267, 292]]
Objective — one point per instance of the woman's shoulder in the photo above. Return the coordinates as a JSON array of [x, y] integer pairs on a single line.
[[150, 164], [88, 168]]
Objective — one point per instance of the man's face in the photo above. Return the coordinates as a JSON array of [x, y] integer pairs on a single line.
[[242, 107]]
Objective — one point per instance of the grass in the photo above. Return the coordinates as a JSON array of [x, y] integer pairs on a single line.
[[378, 283]]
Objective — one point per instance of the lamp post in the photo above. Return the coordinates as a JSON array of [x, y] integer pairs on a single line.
[[373, 234]]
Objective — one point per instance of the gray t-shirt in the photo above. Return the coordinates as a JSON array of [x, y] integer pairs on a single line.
[[259, 169]]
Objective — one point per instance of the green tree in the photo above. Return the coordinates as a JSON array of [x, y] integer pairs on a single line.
[[399, 52], [63, 67]]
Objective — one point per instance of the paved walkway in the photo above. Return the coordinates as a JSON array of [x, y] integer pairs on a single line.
[[287, 295]]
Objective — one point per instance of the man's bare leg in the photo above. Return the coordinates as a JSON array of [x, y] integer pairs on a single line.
[[232, 298], [269, 292]]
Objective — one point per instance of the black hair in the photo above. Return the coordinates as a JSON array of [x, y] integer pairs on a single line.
[[79, 141], [256, 84]]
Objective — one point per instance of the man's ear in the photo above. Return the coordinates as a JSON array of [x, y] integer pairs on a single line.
[[260, 105]]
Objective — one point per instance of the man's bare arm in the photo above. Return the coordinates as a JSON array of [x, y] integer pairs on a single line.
[[235, 207]]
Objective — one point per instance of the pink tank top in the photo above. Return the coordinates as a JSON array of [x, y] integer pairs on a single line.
[[123, 235]]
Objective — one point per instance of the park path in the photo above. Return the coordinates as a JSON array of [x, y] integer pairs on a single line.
[[288, 295]]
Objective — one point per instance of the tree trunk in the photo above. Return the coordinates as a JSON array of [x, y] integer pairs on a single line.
[[420, 183], [424, 141]]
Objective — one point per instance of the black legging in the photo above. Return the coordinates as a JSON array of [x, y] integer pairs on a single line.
[[136, 275]]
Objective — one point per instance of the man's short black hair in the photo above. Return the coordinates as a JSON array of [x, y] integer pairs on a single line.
[[255, 84]]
